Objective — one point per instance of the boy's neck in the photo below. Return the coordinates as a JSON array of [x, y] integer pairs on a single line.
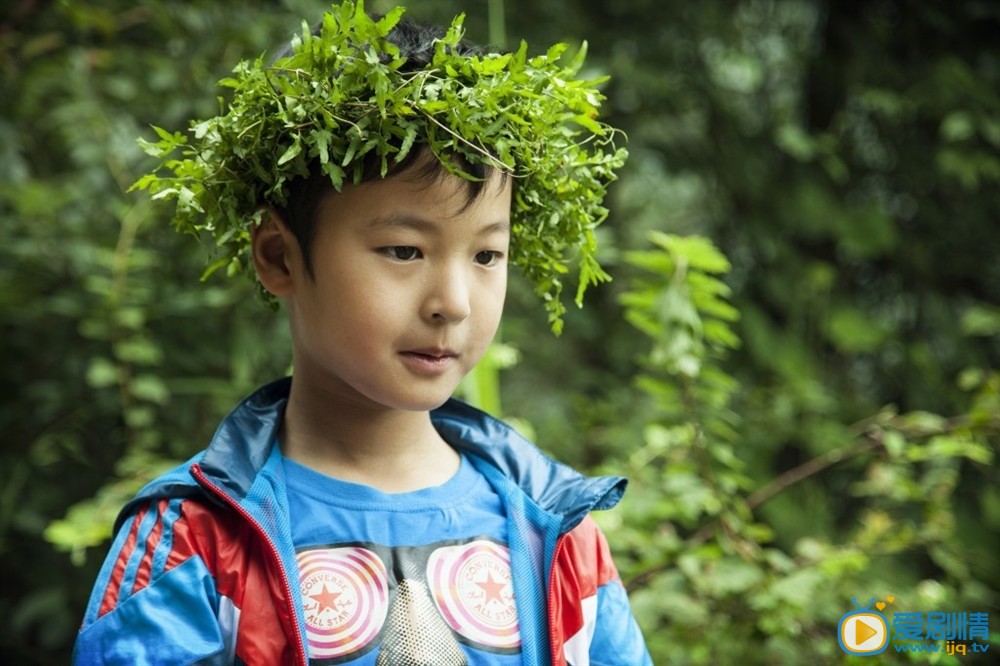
[[392, 450]]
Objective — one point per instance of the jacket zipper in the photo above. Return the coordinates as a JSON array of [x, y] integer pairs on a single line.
[[556, 657], [300, 650]]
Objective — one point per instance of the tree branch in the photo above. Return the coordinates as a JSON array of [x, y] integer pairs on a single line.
[[871, 439]]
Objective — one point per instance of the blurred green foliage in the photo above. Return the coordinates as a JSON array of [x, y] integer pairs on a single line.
[[796, 363]]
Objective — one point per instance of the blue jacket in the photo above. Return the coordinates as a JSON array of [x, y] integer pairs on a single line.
[[202, 563]]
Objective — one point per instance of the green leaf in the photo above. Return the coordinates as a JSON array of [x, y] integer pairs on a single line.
[[291, 153], [150, 388], [796, 142], [853, 332], [981, 320], [957, 126], [102, 373]]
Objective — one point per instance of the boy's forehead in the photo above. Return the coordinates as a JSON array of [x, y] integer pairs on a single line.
[[407, 194], [408, 198]]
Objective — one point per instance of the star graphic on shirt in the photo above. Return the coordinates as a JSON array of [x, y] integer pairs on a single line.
[[491, 588], [325, 599]]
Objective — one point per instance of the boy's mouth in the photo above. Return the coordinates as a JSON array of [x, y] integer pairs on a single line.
[[432, 354], [429, 361]]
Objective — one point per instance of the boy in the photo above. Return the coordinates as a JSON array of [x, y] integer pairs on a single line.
[[356, 514]]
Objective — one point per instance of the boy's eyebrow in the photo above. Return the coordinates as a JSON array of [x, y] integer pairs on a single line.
[[501, 226], [401, 220], [409, 221]]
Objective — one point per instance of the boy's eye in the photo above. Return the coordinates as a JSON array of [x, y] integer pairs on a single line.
[[488, 257], [401, 252]]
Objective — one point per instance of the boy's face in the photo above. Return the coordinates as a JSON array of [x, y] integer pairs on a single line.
[[410, 281]]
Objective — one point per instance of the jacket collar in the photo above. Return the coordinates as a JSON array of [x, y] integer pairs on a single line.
[[244, 440]]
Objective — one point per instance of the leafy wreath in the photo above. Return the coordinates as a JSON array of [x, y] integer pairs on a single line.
[[340, 97]]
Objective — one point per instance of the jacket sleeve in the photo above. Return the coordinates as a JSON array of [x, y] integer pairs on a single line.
[[593, 624]]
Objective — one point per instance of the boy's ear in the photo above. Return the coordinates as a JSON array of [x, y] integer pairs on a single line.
[[272, 245]]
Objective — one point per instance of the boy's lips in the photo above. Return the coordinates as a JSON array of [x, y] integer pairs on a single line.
[[430, 360], [432, 352]]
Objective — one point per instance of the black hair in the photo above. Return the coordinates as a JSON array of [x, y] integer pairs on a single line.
[[416, 42]]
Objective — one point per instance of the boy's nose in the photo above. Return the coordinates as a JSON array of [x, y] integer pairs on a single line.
[[448, 298]]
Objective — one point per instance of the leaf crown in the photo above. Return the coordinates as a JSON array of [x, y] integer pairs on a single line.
[[342, 97]]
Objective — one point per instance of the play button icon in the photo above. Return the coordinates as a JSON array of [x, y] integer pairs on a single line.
[[863, 632]]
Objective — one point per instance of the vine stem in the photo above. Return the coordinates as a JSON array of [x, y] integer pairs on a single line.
[[871, 439], [871, 431], [497, 164]]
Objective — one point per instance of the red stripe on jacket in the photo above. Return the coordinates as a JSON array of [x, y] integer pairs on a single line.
[[144, 573], [111, 594]]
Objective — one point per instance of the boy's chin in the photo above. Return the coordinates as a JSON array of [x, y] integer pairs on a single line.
[[430, 405], [419, 403]]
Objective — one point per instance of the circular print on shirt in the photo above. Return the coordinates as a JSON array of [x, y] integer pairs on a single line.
[[472, 589], [345, 596]]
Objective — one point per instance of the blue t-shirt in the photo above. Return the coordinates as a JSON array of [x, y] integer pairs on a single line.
[[417, 578]]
